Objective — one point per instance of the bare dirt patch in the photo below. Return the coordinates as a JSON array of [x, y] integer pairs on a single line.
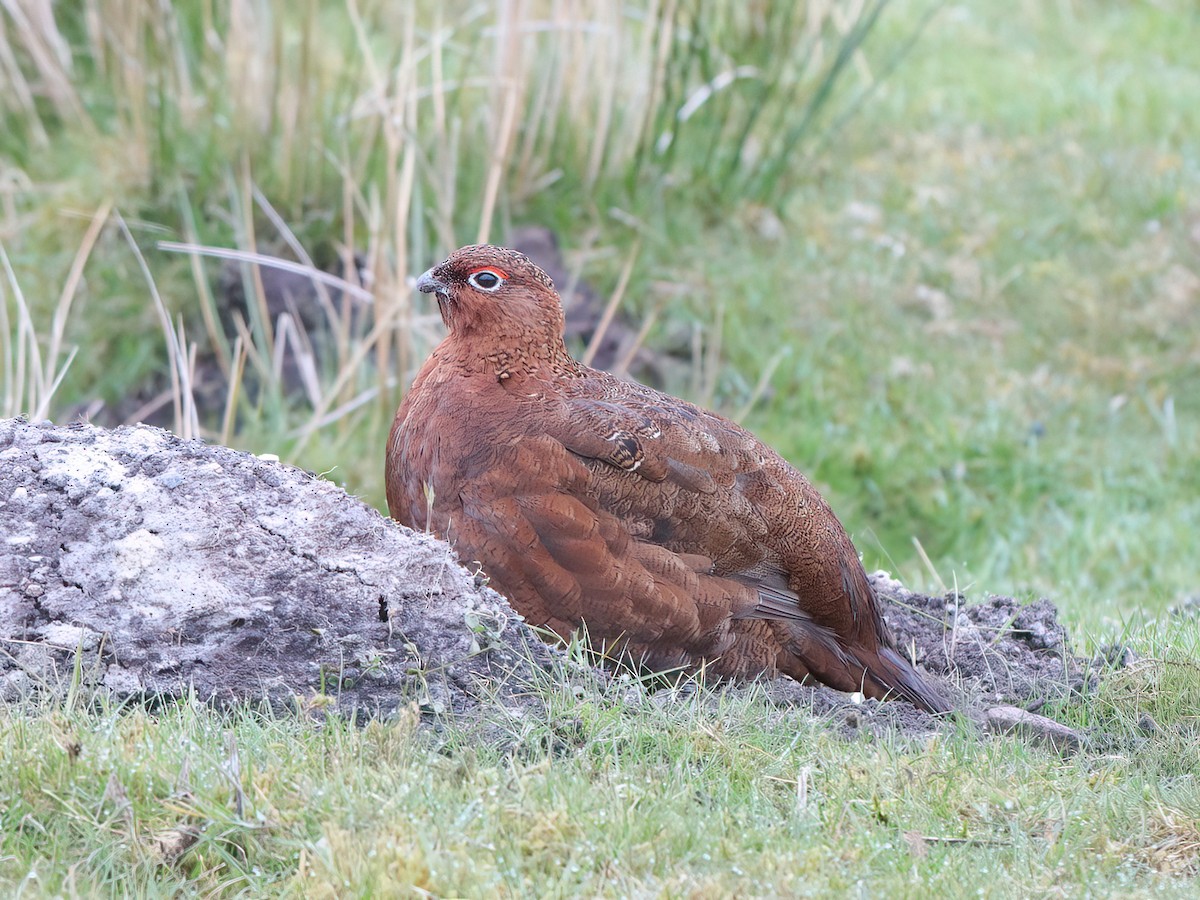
[[998, 654]]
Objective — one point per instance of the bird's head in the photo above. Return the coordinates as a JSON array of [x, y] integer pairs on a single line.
[[487, 293]]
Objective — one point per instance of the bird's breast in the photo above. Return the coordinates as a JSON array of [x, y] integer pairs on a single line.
[[453, 427]]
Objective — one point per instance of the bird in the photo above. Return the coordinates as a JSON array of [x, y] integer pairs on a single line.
[[665, 533]]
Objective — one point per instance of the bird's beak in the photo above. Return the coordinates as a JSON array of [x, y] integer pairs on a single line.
[[427, 284]]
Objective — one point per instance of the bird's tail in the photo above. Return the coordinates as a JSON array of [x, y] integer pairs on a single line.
[[896, 676], [879, 672]]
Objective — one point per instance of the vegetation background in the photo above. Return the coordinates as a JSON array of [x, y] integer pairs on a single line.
[[944, 256]]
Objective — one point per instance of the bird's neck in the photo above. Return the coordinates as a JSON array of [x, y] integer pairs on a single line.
[[517, 357]]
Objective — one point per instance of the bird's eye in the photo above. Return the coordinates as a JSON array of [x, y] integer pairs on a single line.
[[485, 280]]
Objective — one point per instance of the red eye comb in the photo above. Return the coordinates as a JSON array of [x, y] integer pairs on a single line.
[[495, 269]]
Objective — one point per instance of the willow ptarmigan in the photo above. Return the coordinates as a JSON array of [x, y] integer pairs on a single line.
[[676, 537]]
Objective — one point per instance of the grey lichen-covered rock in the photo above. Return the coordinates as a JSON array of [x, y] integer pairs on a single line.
[[163, 565]]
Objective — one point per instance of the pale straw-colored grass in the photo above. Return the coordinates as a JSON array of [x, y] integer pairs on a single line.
[[421, 125]]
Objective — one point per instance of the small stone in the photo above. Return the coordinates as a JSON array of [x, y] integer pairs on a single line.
[[173, 843], [1011, 720], [69, 637], [122, 681], [14, 686]]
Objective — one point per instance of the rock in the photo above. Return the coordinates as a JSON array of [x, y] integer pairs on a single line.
[[1011, 720]]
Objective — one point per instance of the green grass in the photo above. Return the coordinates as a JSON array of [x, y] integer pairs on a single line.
[[991, 311], [616, 793], [981, 297]]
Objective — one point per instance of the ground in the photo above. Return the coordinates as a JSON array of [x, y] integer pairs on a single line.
[[162, 568]]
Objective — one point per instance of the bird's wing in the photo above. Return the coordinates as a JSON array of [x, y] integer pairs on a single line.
[[563, 560], [683, 477], [636, 429], [686, 479], [696, 482]]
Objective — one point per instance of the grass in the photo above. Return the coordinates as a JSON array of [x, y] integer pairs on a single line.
[[975, 287], [615, 793]]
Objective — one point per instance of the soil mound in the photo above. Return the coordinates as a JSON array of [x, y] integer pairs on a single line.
[[170, 565]]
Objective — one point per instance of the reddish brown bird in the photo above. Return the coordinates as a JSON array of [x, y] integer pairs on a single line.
[[674, 535]]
